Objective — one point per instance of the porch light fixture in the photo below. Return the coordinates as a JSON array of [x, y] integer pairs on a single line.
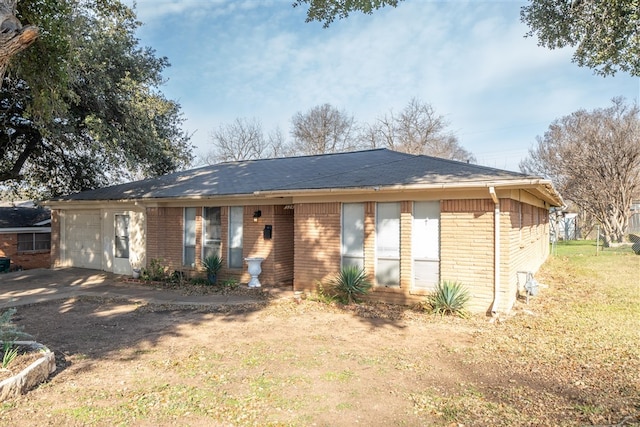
[[256, 215]]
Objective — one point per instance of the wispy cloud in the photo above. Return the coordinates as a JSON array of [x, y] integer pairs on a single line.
[[468, 59]]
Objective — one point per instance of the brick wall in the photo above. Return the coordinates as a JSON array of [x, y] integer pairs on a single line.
[[316, 244], [24, 260], [467, 246], [55, 238], [283, 245], [164, 236], [528, 241], [165, 241]]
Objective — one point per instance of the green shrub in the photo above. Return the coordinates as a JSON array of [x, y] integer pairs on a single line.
[[449, 298], [230, 284], [10, 331], [156, 272], [322, 294], [351, 283]]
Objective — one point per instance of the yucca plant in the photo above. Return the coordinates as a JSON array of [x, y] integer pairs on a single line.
[[212, 264], [10, 352], [351, 283], [449, 298]]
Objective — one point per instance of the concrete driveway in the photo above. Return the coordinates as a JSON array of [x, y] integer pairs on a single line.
[[40, 285]]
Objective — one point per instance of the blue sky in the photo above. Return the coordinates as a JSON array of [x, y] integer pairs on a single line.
[[470, 60]]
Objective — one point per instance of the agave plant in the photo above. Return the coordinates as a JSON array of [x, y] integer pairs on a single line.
[[351, 283], [212, 264], [449, 298]]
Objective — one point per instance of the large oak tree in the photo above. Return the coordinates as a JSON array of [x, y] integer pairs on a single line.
[[14, 37], [82, 106]]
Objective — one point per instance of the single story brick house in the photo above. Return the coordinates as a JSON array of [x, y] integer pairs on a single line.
[[408, 220], [25, 236]]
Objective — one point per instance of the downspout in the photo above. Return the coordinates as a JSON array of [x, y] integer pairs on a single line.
[[496, 252]]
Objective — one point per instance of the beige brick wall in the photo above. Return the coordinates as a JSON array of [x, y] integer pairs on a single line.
[[467, 246], [316, 244], [528, 241], [55, 238]]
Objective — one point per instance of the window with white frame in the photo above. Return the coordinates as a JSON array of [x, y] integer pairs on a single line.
[[235, 236], [122, 236], [425, 245], [189, 256], [388, 244], [33, 242], [353, 234], [211, 232]]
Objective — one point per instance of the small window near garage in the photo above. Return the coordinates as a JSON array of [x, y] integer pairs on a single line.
[[235, 236], [33, 242], [122, 236], [189, 237]]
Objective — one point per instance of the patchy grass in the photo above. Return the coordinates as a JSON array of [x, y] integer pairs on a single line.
[[578, 342], [570, 357]]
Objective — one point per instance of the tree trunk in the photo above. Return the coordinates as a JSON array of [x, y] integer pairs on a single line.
[[13, 36]]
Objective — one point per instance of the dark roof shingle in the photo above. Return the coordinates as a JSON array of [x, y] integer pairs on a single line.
[[369, 168], [22, 217]]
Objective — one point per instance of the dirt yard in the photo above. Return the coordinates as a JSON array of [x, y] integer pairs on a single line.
[[282, 363], [568, 358]]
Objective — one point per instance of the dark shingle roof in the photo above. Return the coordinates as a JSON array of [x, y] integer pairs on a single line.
[[370, 168], [21, 217]]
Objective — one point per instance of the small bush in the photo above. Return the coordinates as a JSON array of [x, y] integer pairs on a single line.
[[449, 298], [229, 284], [10, 331], [351, 283], [322, 294], [156, 272]]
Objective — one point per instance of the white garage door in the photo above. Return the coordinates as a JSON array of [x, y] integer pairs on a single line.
[[83, 239]]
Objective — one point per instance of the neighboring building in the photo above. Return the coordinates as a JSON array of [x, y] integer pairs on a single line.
[[25, 236], [634, 217], [409, 220]]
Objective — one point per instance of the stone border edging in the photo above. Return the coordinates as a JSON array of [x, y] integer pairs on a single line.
[[32, 375]]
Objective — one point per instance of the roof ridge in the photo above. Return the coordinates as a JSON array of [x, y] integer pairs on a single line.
[[475, 165], [302, 156]]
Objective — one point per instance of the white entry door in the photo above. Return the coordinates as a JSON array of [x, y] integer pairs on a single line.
[[426, 245]]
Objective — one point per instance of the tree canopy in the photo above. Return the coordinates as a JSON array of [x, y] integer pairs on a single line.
[[14, 37], [82, 106], [326, 11], [605, 34], [593, 158]]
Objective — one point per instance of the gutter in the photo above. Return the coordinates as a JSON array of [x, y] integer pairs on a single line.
[[496, 252], [543, 186], [25, 230]]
